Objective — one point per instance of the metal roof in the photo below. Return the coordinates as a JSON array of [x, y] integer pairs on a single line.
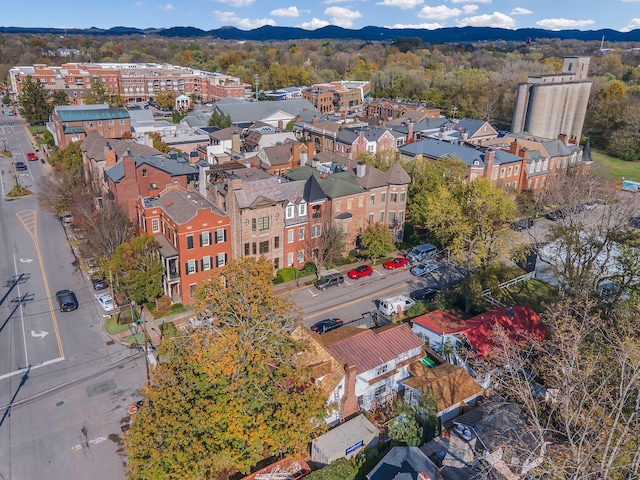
[[91, 114]]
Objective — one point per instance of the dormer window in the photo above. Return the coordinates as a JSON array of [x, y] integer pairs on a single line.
[[476, 162], [289, 212], [302, 209]]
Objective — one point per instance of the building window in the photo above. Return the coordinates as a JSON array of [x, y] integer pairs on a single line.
[[383, 197], [221, 235], [381, 217], [288, 213], [264, 247], [246, 222], [381, 369], [144, 172], [290, 236], [205, 239], [263, 223], [122, 122], [349, 205], [316, 231], [380, 391], [509, 171], [359, 222], [192, 289], [403, 197], [301, 233], [502, 170], [338, 205], [246, 250], [290, 259], [155, 225], [302, 209], [221, 260], [276, 263], [316, 212], [99, 123], [360, 202], [110, 122], [153, 186], [192, 267], [392, 218], [300, 257], [276, 242], [393, 197], [372, 199], [371, 219], [254, 248], [254, 225], [189, 242], [401, 217], [206, 263]]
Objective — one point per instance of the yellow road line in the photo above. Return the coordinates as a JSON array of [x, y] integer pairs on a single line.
[[29, 220]]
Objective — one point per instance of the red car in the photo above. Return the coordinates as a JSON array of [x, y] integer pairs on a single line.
[[398, 262], [361, 271], [32, 156]]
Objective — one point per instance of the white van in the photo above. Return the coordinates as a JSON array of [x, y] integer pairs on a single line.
[[395, 305], [422, 252]]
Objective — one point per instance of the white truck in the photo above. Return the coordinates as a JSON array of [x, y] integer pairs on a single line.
[[395, 305]]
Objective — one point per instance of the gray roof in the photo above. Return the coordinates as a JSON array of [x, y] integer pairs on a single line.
[[94, 147], [335, 185], [433, 148], [469, 124], [396, 175], [349, 135], [197, 119], [140, 116], [556, 148], [268, 190], [175, 167], [77, 113], [403, 463], [242, 111], [181, 206]]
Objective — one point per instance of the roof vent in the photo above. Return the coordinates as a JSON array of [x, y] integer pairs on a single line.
[[168, 203]]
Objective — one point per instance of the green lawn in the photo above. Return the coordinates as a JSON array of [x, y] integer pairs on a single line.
[[532, 292], [112, 328], [613, 168]]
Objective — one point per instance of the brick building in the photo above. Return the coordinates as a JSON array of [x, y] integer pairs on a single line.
[[69, 123]]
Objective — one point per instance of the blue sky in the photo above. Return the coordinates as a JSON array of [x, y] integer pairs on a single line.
[[620, 15]]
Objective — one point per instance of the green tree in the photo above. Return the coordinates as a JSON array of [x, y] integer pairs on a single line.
[[166, 99], [158, 143], [137, 269], [34, 101], [219, 119], [59, 97], [99, 93], [376, 241], [404, 426], [326, 248], [227, 396]]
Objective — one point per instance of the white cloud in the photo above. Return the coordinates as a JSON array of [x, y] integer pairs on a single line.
[[237, 3], [138, 4], [468, 9], [401, 3], [342, 17], [330, 2], [244, 23], [167, 7], [441, 12], [425, 26], [522, 11], [287, 12], [632, 25], [496, 19], [228, 17], [470, 1], [563, 23], [314, 24], [630, 1]]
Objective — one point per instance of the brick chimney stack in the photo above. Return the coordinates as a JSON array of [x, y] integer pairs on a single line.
[[513, 148], [110, 156], [349, 401], [410, 134], [489, 156]]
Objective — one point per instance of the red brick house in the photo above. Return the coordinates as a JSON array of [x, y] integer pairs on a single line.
[[194, 237], [72, 123], [351, 142]]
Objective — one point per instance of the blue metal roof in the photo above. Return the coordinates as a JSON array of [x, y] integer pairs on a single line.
[[92, 114]]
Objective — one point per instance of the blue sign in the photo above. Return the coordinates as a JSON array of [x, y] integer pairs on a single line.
[[355, 447]]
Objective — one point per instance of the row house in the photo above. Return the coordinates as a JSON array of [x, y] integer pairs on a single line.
[[133, 176], [193, 234], [72, 123], [466, 130], [263, 135], [280, 159], [359, 369], [269, 216], [340, 96], [371, 140], [382, 110]]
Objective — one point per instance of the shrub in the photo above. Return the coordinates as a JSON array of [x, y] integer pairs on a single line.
[[177, 308], [420, 308], [163, 305], [287, 274], [169, 330]]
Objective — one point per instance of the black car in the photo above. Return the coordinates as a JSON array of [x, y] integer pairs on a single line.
[[327, 325], [21, 166], [99, 283], [67, 300], [426, 294], [555, 215], [635, 222], [522, 224]]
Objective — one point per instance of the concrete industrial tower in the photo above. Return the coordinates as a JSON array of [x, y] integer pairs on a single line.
[[551, 105]]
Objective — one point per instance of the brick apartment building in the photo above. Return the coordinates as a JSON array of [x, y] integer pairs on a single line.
[[72, 123]]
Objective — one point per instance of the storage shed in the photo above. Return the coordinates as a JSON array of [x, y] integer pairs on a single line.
[[345, 440]]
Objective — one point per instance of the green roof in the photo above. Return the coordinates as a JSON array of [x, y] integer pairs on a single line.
[[334, 185], [93, 114]]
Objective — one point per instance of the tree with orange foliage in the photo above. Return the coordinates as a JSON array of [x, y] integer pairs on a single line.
[[229, 394]]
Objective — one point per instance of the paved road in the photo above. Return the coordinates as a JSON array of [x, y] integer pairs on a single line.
[[68, 389]]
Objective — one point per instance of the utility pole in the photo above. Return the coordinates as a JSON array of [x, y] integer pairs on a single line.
[[257, 77]]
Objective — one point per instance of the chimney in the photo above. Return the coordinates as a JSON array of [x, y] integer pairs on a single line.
[[523, 152], [349, 401], [383, 124], [343, 115], [110, 156], [310, 149], [489, 155], [202, 180], [280, 124], [410, 132], [361, 169], [563, 138], [315, 161], [424, 476], [236, 182], [303, 158], [314, 121], [513, 148], [235, 141]]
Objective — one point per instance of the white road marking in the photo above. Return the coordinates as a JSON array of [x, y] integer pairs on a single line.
[[312, 294], [22, 370], [42, 334], [26, 260]]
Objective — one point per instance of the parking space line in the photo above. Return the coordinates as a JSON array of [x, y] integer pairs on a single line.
[[312, 294]]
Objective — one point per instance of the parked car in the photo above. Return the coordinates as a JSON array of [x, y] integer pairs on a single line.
[[32, 157], [425, 294], [67, 300], [361, 271], [329, 281], [106, 301], [67, 217], [635, 222], [422, 252], [522, 224], [21, 166], [424, 268], [555, 215], [99, 283], [327, 325], [397, 262], [395, 305]]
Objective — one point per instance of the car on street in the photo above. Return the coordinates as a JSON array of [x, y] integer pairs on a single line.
[[424, 268], [329, 281], [327, 325], [106, 301], [425, 294], [31, 157], [555, 215], [522, 224], [397, 262], [635, 222], [67, 217], [67, 300], [99, 283], [361, 271], [20, 166]]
